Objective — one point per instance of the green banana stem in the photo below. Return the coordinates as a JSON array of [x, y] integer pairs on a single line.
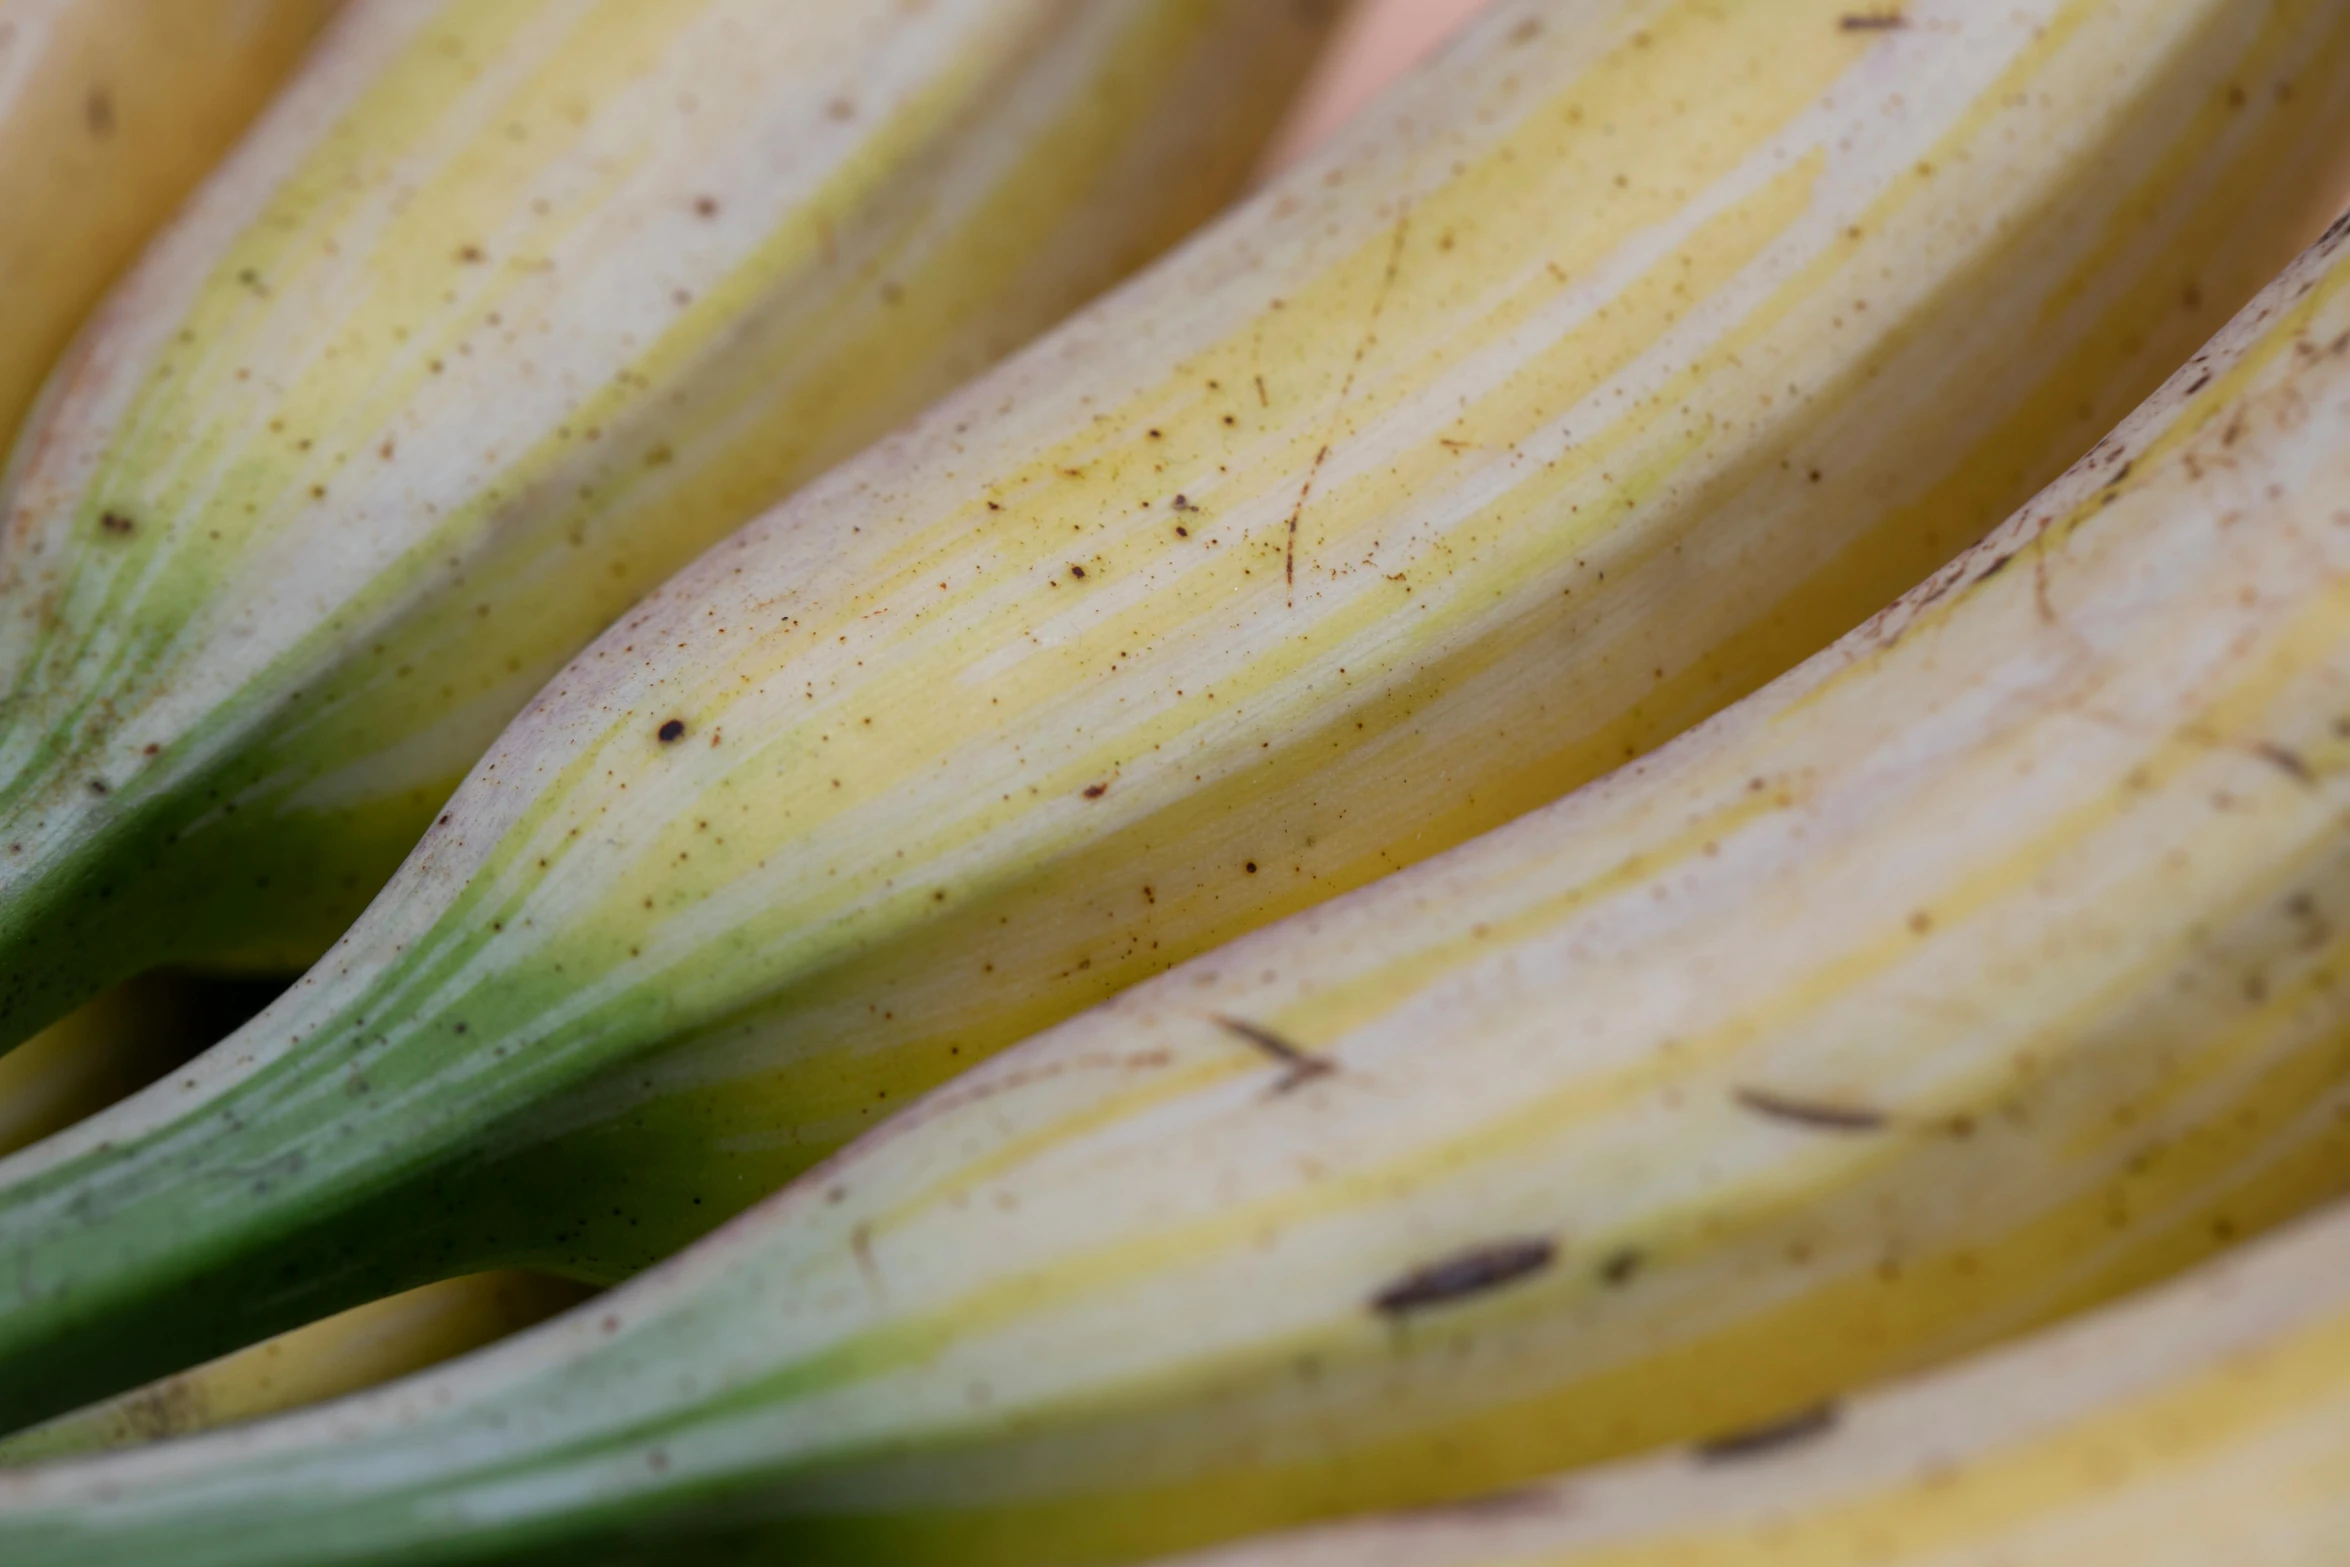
[[505, 311], [1630, 355]]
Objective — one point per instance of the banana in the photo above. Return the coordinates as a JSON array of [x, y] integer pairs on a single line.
[[110, 111], [355, 1349], [116, 1044], [506, 310], [1349, 533], [1990, 963], [2207, 1423]]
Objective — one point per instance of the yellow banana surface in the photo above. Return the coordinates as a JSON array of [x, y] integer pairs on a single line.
[[506, 310], [1620, 361], [355, 1349], [110, 111], [2207, 1423], [1993, 962]]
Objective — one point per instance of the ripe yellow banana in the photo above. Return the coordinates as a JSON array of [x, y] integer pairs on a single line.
[[355, 1349], [110, 111], [507, 309], [2208, 1423], [1628, 355], [1988, 964]]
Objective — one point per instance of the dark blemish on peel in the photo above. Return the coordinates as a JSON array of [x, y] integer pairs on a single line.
[[1753, 1443], [1522, 1501], [98, 113], [1872, 22], [1299, 1065], [672, 732], [470, 255], [705, 206], [2286, 760], [1078, 572], [1621, 1266], [1470, 1274], [1996, 567], [1810, 1113], [1096, 791], [116, 523]]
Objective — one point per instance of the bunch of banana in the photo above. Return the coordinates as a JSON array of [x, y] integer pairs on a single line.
[[355, 1349], [1628, 355], [110, 111], [507, 309], [2209, 1423], [1989, 963]]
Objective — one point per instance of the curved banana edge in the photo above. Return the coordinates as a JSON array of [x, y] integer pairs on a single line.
[[116, 1045], [2207, 1422], [356, 1349], [1119, 653], [1987, 966], [505, 311], [110, 112]]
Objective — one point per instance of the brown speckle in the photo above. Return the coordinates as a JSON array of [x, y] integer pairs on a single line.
[[98, 112], [705, 206], [672, 731], [1757, 1440], [1872, 22], [470, 255], [1299, 1065], [1812, 1114], [1621, 1266], [116, 523], [1470, 1273], [1096, 791], [2286, 760]]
